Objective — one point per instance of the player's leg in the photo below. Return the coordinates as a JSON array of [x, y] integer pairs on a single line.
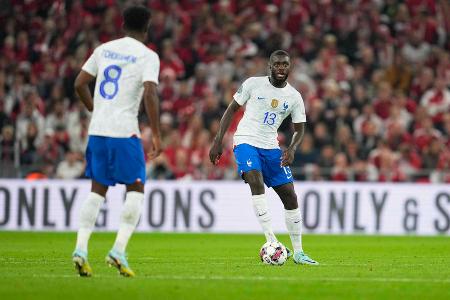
[[292, 214], [129, 218], [129, 168], [96, 169], [255, 180], [293, 221], [249, 167], [88, 215], [281, 179]]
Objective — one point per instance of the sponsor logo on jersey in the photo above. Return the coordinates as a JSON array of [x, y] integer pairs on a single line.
[[261, 98], [274, 103]]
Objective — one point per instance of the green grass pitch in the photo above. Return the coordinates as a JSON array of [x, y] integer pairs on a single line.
[[215, 266]]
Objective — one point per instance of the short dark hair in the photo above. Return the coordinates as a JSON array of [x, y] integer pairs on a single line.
[[136, 18], [278, 53]]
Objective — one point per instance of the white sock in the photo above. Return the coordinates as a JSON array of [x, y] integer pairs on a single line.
[[263, 215], [128, 220], [88, 215], [294, 226]]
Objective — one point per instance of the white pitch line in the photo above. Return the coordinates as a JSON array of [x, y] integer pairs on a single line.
[[209, 259], [256, 262], [296, 279], [256, 278]]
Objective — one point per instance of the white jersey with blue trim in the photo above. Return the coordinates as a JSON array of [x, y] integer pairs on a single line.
[[266, 108], [121, 67]]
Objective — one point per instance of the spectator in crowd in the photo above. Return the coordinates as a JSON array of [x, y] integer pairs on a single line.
[[437, 101], [340, 170], [160, 169], [424, 135], [29, 145], [359, 99], [7, 152], [364, 171], [367, 122], [409, 162], [4, 118], [383, 102], [399, 74], [322, 136], [326, 160], [416, 50], [421, 83], [71, 167], [306, 153], [58, 117], [29, 114], [343, 137], [78, 133]]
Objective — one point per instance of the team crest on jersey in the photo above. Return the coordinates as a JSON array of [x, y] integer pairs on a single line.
[[274, 103]]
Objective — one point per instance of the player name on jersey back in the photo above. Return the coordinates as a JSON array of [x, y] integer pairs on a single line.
[[120, 67], [118, 56], [266, 108]]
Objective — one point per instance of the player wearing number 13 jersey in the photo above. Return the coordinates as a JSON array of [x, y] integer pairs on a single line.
[[125, 71], [269, 100]]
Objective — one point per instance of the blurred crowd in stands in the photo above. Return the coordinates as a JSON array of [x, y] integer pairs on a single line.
[[374, 75]]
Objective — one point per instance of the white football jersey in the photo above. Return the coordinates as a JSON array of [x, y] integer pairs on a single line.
[[267, 106], [121, 67]]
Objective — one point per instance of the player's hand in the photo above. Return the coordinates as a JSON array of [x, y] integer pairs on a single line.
[[288, 157], [215, 152], [155, 149]]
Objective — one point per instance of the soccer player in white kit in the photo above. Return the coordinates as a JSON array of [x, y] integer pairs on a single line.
[[269, 100], [125, 70]]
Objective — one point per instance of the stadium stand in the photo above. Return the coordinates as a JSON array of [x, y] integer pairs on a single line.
[[374, 76]]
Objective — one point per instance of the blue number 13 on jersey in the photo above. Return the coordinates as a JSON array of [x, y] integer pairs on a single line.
[[109, 87], [269, 118]]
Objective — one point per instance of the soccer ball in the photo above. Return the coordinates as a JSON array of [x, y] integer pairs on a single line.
[[273, 253]]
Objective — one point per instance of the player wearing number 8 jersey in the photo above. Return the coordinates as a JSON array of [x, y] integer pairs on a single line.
[[121, 67], [125, 71], [269, 100]]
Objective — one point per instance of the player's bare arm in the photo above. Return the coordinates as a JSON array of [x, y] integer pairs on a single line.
[[151, 103], [288, 154], [81, 86], [216, 149]]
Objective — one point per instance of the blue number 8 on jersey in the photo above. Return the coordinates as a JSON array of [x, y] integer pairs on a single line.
[[109, 87]]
